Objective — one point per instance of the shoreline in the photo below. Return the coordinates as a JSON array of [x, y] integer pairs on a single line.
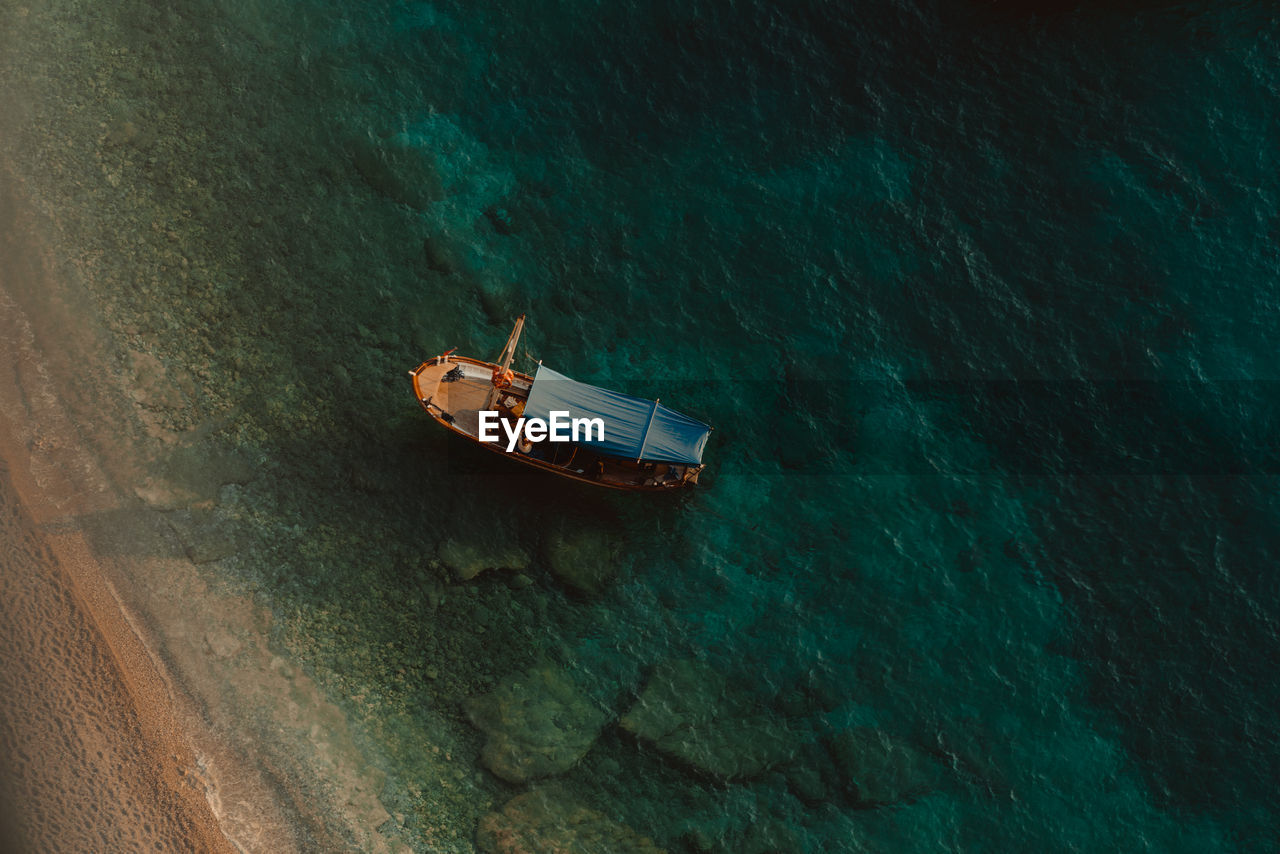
[[187, 663], [97, 751], [92, 720]]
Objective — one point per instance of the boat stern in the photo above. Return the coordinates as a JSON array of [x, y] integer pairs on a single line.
[[426, 381]]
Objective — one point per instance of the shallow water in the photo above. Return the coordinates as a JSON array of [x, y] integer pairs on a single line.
[[980, 303]]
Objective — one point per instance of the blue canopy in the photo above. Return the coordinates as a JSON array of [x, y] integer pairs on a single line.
[[634, 428]]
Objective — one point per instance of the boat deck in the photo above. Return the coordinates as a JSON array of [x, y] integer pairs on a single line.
[[463, 399]]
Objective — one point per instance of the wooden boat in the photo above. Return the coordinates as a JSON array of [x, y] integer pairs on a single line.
[[643, 445]]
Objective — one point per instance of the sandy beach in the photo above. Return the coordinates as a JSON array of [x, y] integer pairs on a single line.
[[95, 756]]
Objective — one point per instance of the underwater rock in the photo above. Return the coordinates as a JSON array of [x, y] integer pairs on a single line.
[[129, 130], [538, 723], [496, 305], [193, 476], [152, 385], [584, 558], [969, 749], [222, 644], [769, 837], [812, 777], [689, 711], [880, 769], [206, 535], [341, 377], [467, 560], [400, 168], [697, 840], [500, 219], [547, 821], [439, 256]]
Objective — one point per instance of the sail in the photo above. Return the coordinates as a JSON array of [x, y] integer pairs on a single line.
[[634, 428]]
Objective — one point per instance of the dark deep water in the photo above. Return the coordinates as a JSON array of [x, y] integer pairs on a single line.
[[981, 299]]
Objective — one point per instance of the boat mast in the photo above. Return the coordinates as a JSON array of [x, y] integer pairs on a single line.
[[508, 353]]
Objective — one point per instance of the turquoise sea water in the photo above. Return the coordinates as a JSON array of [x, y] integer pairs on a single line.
[[981, 300]]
